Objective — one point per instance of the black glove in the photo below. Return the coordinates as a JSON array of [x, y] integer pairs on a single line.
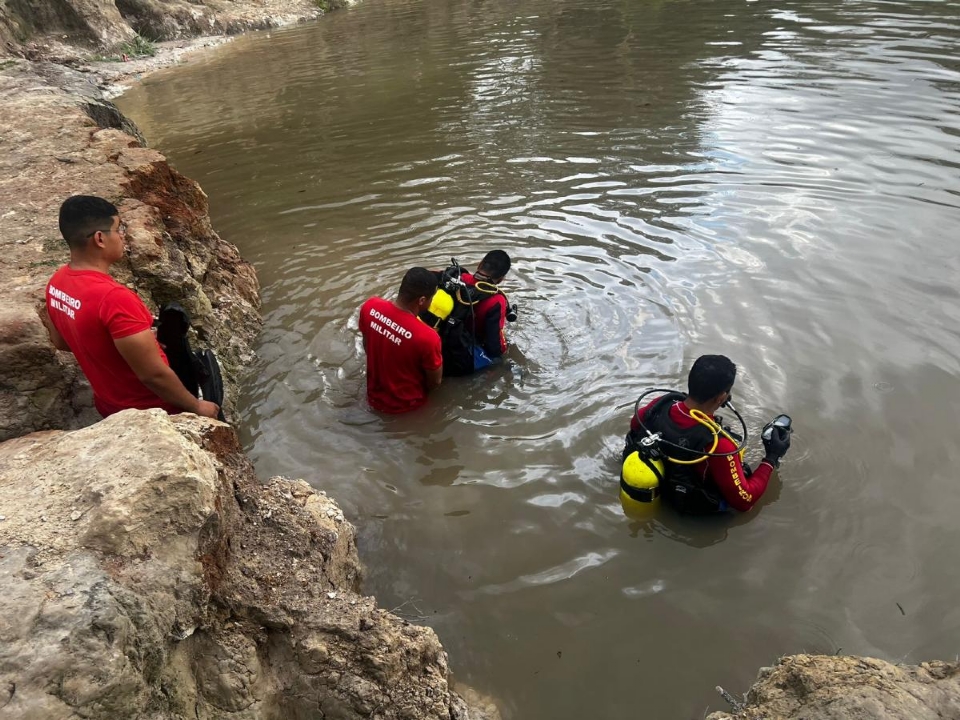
[[776, 445]]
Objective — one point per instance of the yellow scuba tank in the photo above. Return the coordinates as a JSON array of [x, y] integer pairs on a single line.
[[639, 484], [440, 308]]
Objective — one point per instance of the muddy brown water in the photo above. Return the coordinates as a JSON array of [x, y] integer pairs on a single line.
[[776, 181]]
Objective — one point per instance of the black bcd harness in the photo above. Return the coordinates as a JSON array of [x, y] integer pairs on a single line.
[[685, 487]]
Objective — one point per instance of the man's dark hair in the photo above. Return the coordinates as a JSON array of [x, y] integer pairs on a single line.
[[710, 376], [418, 282], [83, 215], [495, 264]]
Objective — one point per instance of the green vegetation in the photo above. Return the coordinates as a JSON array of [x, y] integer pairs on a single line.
[[328, 5], [7, 63], [138, 47]]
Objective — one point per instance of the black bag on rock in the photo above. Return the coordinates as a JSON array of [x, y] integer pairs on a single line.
[[198, 370]]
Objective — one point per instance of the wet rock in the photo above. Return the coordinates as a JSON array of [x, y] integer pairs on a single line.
[[168, 597], [826, 687]]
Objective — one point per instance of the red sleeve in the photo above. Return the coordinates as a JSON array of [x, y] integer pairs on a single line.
[[740, 492], [643, 412], [432, 355], [494, 341], [124, 314]]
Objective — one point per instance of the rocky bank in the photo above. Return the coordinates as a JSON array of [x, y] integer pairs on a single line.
[[147, 573], [37, 29], [824, 687]]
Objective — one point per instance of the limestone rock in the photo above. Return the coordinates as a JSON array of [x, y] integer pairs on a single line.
[[825, 687], [167, 582], [92, 21], [106, 23]]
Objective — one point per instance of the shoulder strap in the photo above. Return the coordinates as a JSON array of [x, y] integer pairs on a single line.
[[660, 409]]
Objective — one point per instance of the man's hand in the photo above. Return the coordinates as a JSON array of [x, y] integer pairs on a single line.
[[776, 445], [208, 409]]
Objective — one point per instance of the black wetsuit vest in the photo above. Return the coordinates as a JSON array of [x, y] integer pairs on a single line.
[[685, 487]]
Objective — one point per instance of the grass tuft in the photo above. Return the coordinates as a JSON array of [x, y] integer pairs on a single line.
[[138, 47], [328, 5]]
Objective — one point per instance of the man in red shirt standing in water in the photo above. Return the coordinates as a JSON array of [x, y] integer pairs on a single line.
[[719, 482], [105, 324], [404, 361]]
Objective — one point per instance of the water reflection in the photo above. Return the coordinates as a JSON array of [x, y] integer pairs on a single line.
[[775, 183]]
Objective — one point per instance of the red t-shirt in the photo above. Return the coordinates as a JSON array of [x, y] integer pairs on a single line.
[[90, 310], [726, 472], [400, 351]]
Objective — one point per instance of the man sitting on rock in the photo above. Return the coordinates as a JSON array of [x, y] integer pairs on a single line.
[[106, 325]]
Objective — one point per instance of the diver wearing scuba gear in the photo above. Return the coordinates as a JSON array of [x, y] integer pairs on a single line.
[[699, 460], [492, 312], [469, 312]]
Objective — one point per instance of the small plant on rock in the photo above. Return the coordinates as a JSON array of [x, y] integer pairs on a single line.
[[138, 47], [328, 5]]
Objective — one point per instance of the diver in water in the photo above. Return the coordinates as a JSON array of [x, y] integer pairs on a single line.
[[678, 449], [469, 313]]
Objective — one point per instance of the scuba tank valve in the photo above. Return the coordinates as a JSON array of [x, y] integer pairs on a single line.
[[651, 445]]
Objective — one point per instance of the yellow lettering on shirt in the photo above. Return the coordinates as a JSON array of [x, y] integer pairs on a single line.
[[741, 490]]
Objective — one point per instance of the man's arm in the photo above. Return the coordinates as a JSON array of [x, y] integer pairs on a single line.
[[141, 354], [433, 378], [432, 362], [740, 492], [55, 337]]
